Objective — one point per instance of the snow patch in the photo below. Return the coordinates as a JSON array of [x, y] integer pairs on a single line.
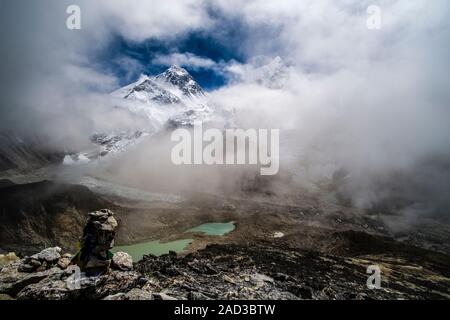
[[76, 159], [278, 235]]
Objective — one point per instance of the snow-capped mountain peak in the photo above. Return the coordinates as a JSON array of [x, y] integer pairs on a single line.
[[270, 73], [180, 79], [174, 69], [273, 74], [149, 90], [169, 100], [172, 99]]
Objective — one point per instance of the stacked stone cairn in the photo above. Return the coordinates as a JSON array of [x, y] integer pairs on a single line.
[[94, 256]]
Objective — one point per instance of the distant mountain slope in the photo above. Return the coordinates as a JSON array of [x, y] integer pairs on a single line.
[[17, 153], [147, 90], [36, 215]]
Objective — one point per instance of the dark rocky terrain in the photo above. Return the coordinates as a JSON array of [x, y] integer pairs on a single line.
[[264, 272], [242, 272], [323, 252]]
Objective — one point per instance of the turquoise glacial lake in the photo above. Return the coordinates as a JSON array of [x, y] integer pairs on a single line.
[[137, 251], [214, 229]]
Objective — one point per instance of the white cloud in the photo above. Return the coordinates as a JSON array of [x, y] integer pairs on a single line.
[[138, 20], [373, 103], [185, 60]]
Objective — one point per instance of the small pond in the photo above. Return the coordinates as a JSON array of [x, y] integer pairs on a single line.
[[137, 251], [214, 229]]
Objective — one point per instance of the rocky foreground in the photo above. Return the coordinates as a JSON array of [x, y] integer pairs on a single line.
[[225, 271]]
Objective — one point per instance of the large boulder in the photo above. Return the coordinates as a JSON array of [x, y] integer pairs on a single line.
[[12, 280], [65, 261], [122, 261], [44, 260], [60, 286], [94, 257], [50, 255]]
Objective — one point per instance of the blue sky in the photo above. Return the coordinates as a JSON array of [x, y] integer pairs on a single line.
[[230, 38], [201, 44]]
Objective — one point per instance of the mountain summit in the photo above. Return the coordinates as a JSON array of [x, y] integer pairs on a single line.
[[148, 90], [170, 87], [182, 80]]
